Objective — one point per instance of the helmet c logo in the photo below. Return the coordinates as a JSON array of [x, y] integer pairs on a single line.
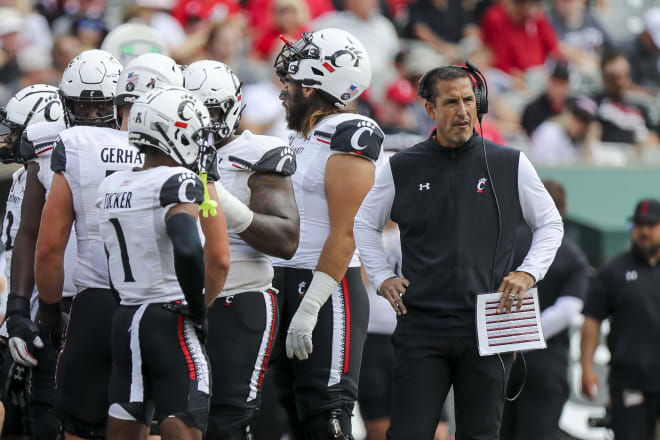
[[51, 114], [186, 115], [355, 139]]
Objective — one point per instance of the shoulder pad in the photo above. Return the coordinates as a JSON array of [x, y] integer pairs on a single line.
[[281, 160], [27, 150], [182, 187], [362, 137], [58, 158]]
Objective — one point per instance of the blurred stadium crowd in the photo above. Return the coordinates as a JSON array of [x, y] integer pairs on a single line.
[[570, 80]]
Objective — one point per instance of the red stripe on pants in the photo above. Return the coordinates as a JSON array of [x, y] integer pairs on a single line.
[[347, 329], [186, 352]]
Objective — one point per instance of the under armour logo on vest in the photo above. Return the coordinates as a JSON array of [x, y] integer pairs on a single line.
[[631, 275], [425, 186]]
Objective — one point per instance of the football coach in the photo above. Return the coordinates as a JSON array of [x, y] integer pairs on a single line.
[[457, 199]]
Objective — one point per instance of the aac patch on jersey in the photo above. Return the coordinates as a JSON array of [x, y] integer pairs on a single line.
[[184, 187], [361, 137], [58, 158], [281, 160]]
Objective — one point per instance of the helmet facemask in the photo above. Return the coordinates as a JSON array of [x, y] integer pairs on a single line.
[[74, 111], [292, 53], [10, 139], [219, 112]]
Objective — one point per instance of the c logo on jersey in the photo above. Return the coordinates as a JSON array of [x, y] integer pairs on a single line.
[[286, 157], [363, 126], [187, 189]]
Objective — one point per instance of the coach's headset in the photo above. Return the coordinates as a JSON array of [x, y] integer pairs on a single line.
[[480, 87], [479, 83]]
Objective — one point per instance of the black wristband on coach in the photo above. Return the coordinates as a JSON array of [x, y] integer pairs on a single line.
[[18, 305]]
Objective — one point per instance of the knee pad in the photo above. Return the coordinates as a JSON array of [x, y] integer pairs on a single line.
[[334, 424]]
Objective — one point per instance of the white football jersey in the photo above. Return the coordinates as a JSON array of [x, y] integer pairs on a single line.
[[250, 270], [344, 133], [132, 207], [13, 216], [37, 146], [85, 156]]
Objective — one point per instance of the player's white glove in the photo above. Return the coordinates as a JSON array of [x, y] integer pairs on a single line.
[[23, 333], [238, 216], [299, 334]]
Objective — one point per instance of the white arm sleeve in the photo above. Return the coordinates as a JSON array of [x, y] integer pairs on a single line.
[[371, 219], [558, 316], [541, 215]]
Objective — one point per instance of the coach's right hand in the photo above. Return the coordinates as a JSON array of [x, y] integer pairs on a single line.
[[23, 333], [393, 290]]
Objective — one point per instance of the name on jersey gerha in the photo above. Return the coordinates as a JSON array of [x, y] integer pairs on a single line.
[[118, 200], [121, 155]]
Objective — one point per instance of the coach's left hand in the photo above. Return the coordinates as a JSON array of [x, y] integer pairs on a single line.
[[513, 288]]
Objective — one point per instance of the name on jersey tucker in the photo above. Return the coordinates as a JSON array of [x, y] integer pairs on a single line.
[[118, 200], [121, 155]]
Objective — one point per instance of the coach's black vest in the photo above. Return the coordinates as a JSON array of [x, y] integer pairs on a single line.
[[445, 208]]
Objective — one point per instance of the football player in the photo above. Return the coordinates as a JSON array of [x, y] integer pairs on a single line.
[[156, 260], [263, 220], [34, 107], [83, 155], [325, 308]]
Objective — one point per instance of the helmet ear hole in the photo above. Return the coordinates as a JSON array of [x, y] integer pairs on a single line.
[[317, 72], [184, 140]]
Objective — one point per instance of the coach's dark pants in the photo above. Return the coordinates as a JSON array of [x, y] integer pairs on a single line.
[[535, 413], [425, 368]]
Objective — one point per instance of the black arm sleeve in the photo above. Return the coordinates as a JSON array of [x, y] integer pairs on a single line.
[[188, 260]]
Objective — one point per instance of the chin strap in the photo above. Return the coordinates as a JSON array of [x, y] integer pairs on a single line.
[[208, 205]]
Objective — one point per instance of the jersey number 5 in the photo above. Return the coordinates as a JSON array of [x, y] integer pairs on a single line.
[[126, 264]]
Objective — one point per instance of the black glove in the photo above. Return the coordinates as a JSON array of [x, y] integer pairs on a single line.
[[52, 322], [198, 318], [23, 333], [210, 165]]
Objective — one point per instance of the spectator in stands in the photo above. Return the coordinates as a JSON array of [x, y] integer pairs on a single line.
[[442, 24], [36, 65], [11, 24], [155, 13], [535, 413], [290, 19], [259, 11], [35, 29], [519, 34], [551, 102], [627, 291], [568, 138], [582, 37], [643, 53], [363, 19], [396, 117], [190, 13], [65, 48], [74, 10], [623, 121], [90, 32]]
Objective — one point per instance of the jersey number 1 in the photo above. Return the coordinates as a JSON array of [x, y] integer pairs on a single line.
[[128, 274]]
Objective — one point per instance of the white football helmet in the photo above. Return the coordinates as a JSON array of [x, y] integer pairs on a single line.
[[145, 73], [330, 60], [220, 89], [90, 80], [172, 120], [130, 40], [35, 103]]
